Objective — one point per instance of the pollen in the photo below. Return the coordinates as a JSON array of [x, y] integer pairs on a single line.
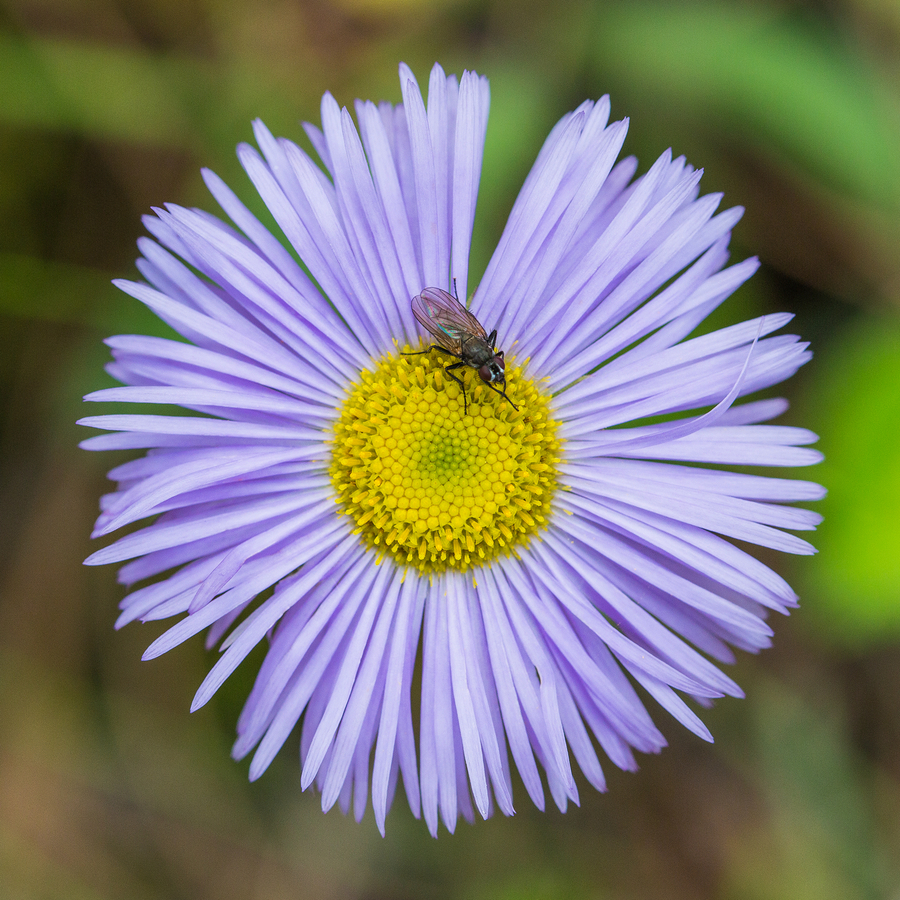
[[431, 486]]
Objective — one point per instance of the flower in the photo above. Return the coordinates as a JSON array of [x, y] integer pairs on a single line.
[[493, 577]]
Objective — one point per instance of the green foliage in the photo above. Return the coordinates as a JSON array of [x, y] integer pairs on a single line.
[[753, 73], [854, 583]]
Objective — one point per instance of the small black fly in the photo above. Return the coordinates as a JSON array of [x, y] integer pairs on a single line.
[[460, 335]]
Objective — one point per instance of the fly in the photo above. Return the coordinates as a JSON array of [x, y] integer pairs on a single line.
[[460, 335]]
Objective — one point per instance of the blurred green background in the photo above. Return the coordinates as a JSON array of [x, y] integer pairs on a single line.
[[108, 788]]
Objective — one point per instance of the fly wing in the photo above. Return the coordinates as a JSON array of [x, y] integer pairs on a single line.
[[446, 319]]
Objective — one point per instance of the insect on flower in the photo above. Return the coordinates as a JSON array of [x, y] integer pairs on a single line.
[[438, 603], [460, 335]]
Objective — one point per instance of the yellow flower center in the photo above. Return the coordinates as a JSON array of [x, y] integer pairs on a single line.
[[432, 486]]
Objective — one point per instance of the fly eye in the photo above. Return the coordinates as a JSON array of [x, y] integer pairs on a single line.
[[492, 373], [498, 361]]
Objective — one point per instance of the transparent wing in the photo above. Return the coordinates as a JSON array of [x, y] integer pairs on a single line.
[[446, 319]]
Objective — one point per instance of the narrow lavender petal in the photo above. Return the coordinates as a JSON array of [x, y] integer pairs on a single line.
[[580, 190], [157, 441], [359, 773], [406, 745], [608, 202], [342, 724], [210, 247], [612, 249], [162, 560], [527, 213], [734, 484], [249, 375], [526, 229], [463, 794], [548, 568], [633, 620], [258, 579], [312, 715], [435, 268], [152, 491], [275, 156], [487, 698], [616, 744], [671, 702], [182, 584], [170, 265], [317, 137], [607, 735], [534, 641], [396, 692], [694, 287], [752, 445], [470, 636], [302, 652], [428, 750], [396, 127], [441, 113], [387, 183], [657, 261], [319, 260], [634, 439], [634, 237], [532, 673], [605, 548], [254, 719], [286, 407], [162, 535], [242, 273], [253, 347], [323, 657], [694, 545], [745, 520], [258, 574], [288, 478], [237, 557], [678, 309], [580, 742], [513, 693], [470, 733], [275, 253], [468, 152], [369, 222], [263, 618], [190, 426], [696, 629], [700, 383], [443, 718], [561, 679], [349, 283], [218, 630], [635, 371]]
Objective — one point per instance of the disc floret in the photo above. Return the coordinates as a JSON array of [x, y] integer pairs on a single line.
[[436, 487]]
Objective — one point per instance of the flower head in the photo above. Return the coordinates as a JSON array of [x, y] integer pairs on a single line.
[[446, 577]]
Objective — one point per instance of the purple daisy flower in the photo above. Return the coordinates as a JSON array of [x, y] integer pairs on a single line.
[[448, 579]]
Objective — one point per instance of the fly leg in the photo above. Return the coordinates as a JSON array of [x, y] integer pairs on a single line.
[[429, 349], [497, 390], [447, 369], [459, 381]]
